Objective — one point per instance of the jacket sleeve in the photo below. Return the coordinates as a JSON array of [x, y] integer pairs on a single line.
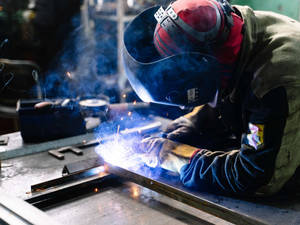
[[244, 170]]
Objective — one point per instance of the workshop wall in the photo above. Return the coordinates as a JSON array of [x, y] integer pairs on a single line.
[[289, 8]]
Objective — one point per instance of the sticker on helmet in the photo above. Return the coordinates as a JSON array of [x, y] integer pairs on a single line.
[[192, 95], [256, 136]]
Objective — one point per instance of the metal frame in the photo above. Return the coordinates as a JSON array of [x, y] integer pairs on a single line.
[[168, 187]]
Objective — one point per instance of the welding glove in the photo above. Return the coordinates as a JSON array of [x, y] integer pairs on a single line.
[[164, 153], [196, 128]]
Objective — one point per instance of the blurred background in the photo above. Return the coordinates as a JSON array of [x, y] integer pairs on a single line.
[[72, 49]]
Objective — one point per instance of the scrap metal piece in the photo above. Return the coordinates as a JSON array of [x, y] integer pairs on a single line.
[[81, 166], [4, 140], [58, 153]]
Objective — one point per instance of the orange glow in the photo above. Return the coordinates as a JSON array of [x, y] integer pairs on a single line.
[[124, 96], [134, 102], [1, 7], [96, 190], [135, 191], [129, 113]]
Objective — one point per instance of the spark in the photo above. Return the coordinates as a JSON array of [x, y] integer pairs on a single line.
[[69, 75], [124, 96], [96, 190], [130, 3], [134, 102], [122, 118], [118, 130], [129, 113]]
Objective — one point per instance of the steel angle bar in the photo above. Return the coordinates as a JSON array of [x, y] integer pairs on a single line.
[[60, 193]]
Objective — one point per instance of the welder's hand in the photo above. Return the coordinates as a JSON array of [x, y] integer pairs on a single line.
[[198, 128], [164, 153], [182, 130]]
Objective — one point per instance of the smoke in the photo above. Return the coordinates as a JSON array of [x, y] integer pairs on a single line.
[[86, 65]]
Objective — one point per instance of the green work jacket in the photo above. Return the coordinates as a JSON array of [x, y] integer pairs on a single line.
[[265, 98], [271, 50]]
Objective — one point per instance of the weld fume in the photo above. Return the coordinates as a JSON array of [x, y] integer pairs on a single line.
[[86, 57]]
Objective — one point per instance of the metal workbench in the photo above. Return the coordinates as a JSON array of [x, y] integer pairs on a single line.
[[129, 203]]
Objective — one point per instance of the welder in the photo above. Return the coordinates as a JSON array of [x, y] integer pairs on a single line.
[[239, 69]]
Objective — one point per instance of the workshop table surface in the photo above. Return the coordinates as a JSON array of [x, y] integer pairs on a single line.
[[130, 203]]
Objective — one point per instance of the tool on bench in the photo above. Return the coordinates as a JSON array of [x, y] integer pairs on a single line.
[[50, 119], [94, 107]]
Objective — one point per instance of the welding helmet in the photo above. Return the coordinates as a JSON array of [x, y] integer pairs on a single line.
[[185, 79], [192, 25]]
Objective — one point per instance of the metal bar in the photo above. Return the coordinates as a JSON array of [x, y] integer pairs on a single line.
[[185, 197], [65, 179], [59, 194]]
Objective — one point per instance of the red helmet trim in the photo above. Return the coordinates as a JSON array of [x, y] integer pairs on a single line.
[[163, 18], [160, 47], [166, 43]]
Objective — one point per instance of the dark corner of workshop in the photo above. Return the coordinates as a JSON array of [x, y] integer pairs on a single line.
[[149, 112]]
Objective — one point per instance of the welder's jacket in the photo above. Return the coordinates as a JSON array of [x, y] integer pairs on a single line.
[[262, 109]]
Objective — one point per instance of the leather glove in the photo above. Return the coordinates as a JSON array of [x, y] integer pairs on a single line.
[[200, 128], [164, 153], [182, 130]]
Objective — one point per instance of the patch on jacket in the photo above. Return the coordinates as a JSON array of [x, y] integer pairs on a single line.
[[256, 136]]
